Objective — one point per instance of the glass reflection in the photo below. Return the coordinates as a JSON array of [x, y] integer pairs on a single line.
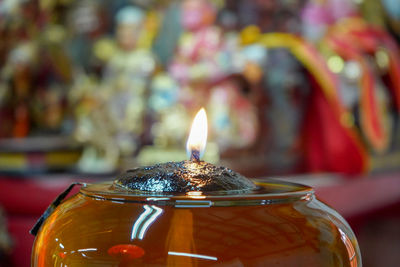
[[149, 215], [350, 248], [87, 249], [192, 255]]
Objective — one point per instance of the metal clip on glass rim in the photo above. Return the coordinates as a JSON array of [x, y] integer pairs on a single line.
[[52, 207]]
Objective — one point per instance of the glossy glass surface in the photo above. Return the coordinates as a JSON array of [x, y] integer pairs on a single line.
[[281, 225]]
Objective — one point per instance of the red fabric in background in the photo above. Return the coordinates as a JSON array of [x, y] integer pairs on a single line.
[[30, 196], [19, 226], [329, 147], [24, 200]]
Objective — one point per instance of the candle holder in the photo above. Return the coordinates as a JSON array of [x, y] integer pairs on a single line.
[[274, 223], [192, 213]]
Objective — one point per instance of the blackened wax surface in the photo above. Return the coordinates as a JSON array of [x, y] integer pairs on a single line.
[[184, 176]]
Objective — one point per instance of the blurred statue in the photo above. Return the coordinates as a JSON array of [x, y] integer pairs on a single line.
[[317, 16], [126, 79], [199, 55], [34, 78], [202, 65], [16, 87], [120, 105], [89, 47], [171, 121]]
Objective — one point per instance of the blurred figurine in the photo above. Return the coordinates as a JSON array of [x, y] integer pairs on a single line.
[[170, 125], [358, 53], [34, 79], [367, 62], [18, 50], [288, 90], [17, 82], [87, 23], [317, 16], [281, 96], [199, 53], [269, 16], [202, 66], [171, 121], [53, 78], [120, 102], [126, 79], [92, 127]]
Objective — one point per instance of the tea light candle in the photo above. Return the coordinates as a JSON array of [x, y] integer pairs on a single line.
[[189, 175]]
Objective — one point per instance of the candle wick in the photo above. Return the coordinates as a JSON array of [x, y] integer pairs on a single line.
[[195, 155]]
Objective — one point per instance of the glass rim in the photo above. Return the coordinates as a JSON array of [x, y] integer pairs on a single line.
[[270, 191]]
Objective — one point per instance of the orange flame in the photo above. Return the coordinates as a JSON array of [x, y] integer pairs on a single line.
[[196, 143]]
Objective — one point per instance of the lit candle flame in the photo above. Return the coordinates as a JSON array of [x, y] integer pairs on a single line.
[[197, 140]]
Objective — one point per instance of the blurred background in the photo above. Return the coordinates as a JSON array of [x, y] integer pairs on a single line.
[[303, 90]]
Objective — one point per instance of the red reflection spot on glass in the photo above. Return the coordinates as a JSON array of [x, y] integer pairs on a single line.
[[62, 255], [126, 251]]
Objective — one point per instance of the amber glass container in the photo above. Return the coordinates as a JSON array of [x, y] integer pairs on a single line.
[[279, 224]]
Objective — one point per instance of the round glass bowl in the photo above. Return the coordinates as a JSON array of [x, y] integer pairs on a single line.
[[279, 224]]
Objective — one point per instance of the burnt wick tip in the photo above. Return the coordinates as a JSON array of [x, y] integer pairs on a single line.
[[195, 155]]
